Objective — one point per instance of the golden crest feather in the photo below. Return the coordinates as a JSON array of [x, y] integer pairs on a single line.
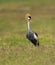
[[27, 15]]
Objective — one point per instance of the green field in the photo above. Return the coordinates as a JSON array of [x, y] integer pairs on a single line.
[[15, 49]]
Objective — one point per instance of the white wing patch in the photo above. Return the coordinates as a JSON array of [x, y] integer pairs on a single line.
[[35, 36]]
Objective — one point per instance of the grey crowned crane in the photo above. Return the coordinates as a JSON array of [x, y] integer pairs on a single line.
[[31, 36]]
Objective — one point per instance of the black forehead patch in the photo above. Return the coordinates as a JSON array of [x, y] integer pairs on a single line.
[[29, 17]]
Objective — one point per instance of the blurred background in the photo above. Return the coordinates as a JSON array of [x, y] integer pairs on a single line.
[[13, 26], [15, 49]]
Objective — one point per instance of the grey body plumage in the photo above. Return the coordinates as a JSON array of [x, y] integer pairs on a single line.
[[30, 36]]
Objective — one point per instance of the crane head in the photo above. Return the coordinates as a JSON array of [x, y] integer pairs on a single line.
[[28, 17]]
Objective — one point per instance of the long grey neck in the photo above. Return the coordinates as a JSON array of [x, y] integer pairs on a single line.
[[28, 26]]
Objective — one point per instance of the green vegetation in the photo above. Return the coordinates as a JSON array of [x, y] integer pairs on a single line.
[[15, 49]]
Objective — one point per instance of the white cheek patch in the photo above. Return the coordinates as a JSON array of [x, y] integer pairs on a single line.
[[35, 36], [28, 18]]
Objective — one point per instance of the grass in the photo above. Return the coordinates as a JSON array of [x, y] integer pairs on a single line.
[[24, 55], [15, 49]]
